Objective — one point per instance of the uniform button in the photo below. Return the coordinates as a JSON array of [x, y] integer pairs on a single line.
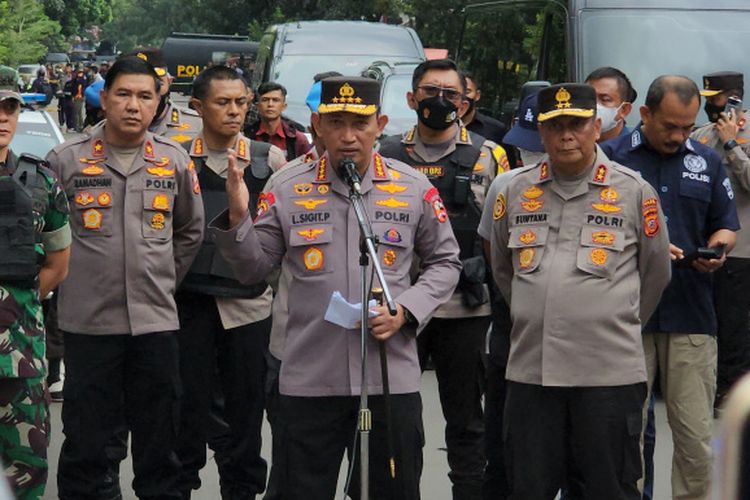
[[664, 189], [240, 235]]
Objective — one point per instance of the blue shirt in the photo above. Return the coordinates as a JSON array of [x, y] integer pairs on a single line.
[[697, 200]]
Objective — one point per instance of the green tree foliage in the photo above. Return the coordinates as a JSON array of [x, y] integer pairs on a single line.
[[75, 16], [25, 28]]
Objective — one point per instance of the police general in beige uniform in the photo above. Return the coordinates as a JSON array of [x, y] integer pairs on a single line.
[[306, 223], [137, 221], [580, 251], [729, 136]]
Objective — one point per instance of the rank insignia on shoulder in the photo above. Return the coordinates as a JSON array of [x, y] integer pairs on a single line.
[[84, 198], [607, 208], [380, 172], [544, 172], [389, 258], [526, 257], [149, 150], [175, 116], [392, 203], [599, 256], [97, 148], [532, 205], [609, 195], [392, 235], [104, 199], [650, 217], [303, 188], [310, 234], [92, 219], [158, 221], [527, 237], [601, 174], [533, 193], [92, 170], [311, 203], [391, 187], [313, 258], [498, 210]]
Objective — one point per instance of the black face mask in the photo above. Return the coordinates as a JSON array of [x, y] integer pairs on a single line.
[[712, 110], [163, 102], [437, 113]]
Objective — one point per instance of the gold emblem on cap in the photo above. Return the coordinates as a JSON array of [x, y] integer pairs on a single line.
[[141, 55], [346, 90], [563, 98]]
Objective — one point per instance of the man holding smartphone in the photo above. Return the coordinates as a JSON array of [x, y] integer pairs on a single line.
[[727, 135], [698, 203]]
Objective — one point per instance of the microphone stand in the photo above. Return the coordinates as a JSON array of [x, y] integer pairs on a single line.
[[367, 251]]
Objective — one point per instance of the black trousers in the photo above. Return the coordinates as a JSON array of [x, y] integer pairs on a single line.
[[732, 292], [275, 476], [218, 364], [317, 430], [547, 429], [108, 377], [455, 346], [495, 485]]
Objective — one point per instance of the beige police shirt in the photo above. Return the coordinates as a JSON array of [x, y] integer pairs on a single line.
[[582, 266], [492, 161], [737, 164], [135, 234], [178, 123], [306, 224], [233, 311]]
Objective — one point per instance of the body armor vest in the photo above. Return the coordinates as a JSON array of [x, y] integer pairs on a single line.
[[210, 274], [22, 193], [451, 175]]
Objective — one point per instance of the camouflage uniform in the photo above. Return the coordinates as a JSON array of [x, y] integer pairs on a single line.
[[24, 417]]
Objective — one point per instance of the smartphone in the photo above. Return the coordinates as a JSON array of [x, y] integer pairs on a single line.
[[712, 253], [734, 106]]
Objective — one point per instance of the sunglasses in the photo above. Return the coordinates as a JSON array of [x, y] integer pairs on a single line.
[[434, 91]]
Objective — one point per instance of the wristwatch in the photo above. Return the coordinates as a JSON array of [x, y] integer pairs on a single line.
[[730, 144], [409, 317]]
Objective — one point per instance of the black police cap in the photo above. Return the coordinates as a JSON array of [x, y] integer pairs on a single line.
[[352, 94], [716, 83], [566, 99], [154, 57]]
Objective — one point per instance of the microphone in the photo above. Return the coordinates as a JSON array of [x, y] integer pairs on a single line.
[[349, 172]]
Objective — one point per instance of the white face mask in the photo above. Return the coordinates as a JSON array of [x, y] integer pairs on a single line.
[[530, 157], [608, 116]]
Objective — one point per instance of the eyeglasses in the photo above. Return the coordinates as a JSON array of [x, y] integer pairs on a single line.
[[434, 91]]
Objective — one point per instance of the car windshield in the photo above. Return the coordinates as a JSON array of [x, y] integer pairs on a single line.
[[400, 116], [34, 135], [296, 74], [686, 42]]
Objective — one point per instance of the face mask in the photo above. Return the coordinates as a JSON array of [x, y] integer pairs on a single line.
[[608, 116], [712, 110], [163, 102], [530, 157], [437, 112]]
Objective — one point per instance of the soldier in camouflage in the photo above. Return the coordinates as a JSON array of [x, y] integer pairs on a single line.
[[34, 249]]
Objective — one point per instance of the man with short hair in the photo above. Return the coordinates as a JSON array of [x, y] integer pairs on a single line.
[[476, 121], [580, 253], [137, 225], [224, 325], [34, 253], [460, 164], [698, 202], [80, 82], [272, 127], [727, 134], [179, 123], [615, 96], [304, 223]]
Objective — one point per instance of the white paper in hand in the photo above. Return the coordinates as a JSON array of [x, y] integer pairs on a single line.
[[342, 313]]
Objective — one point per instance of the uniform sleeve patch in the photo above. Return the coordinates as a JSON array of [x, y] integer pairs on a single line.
[[498, 210], [265, 202], [651, 217]]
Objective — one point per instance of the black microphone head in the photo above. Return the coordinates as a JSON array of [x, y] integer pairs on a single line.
[[349, 173]]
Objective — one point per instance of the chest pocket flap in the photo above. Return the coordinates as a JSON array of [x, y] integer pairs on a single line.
[[528, 243], [602, 237], [696, 190]]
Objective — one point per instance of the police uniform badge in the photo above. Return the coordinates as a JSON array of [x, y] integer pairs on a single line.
[[650, 217], [498, 210], [389, 258], [599, 256], [92, 219], [313, 259]]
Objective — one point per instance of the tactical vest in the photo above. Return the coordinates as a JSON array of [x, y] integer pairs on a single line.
[[452, 177], [210, 274], [21, 194]]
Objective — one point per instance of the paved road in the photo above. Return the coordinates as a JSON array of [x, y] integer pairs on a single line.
[[435, 483]]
